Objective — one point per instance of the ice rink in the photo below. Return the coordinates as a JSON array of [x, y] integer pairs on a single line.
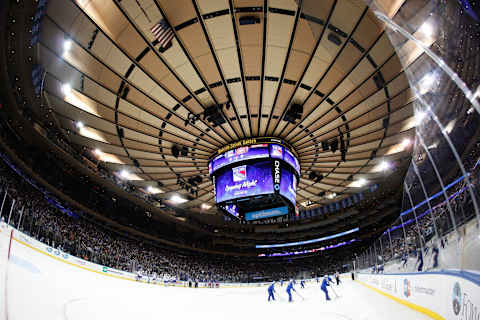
[[41, 287]]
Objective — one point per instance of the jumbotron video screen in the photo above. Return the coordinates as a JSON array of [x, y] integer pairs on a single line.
[[251, 171]]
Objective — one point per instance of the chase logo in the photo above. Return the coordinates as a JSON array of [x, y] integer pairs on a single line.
[[407, 290], [240, 173], [457, 298]]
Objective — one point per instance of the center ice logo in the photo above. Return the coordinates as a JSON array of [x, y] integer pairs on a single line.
[[457, 298], [240, 173]]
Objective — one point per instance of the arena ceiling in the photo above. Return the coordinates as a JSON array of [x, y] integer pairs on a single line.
[[134, 101]]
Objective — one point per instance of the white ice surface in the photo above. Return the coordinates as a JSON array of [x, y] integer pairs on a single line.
[[40, 287]]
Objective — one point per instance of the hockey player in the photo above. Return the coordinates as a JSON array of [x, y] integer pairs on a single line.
[[404, 259], [271, 291], [324, 287], [281, 283], [337, 278], [289, 290], [420, 261], [381, 268], [302, 284], [139, 275], [435, 252], [330, 279]]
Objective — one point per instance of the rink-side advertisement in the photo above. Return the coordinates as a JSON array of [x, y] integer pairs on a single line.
[[439, 295]]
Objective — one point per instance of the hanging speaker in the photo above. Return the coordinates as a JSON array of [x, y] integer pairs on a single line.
[[175, 151], [325, 145], [135, 163], [334, 145], [184, 151]]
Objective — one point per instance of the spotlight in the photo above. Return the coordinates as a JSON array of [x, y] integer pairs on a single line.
[[331, 195], [66, 89], [150, 189], [67, 45], [406, 143], [384, 165], [79, 124], [362, 182], [426, 29], [419, 117], [124, 174], [97, 152], [177, 199], [426, 83], [206, 206]]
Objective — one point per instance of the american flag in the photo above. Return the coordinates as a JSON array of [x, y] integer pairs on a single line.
[[163, 33]]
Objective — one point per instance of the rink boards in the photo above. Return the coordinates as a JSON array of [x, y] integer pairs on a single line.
[[64, 257], [439, 295]]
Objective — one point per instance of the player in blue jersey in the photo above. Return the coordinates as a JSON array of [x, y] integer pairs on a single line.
[[435, 252], [271, 291], [420, 261], [289, 290], [330, 279], [324, 286], [302, 284]]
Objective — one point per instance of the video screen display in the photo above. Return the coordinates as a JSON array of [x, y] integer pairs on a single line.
[[232, 209], [267, 213], [289, 158], [245, 180], [240, 154], [276, 151], [288, 185]]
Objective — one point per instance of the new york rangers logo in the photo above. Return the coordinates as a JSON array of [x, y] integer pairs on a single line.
[[240, 173], [276, 151], [242, 150]]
